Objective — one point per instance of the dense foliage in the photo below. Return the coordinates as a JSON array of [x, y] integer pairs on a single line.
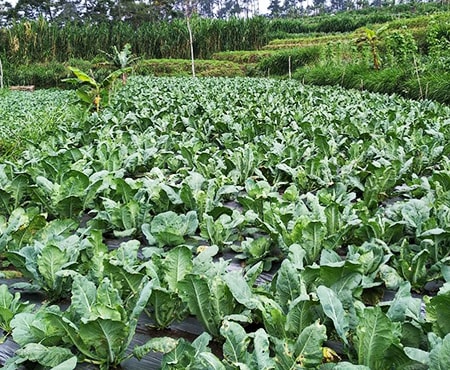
[[30, 117], [138, 12], [409, 55], [41, 41], [44, 40], [345, 195]]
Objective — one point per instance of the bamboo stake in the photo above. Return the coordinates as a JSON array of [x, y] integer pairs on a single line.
[[191, 42], [191, 38], [1, 75], [289, 64]]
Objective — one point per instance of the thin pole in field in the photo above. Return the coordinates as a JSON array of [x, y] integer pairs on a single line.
[[1, 75], [289, 65], [191, 38]]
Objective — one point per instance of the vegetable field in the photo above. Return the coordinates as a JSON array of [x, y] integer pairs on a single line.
[[172, 202]]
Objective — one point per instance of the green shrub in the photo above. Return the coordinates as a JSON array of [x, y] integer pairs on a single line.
[[392, 80], [243, 57], [388, 80], [81, 64], [278, 63], [41, 75], [434, 86], [400, 47], [182, 67]]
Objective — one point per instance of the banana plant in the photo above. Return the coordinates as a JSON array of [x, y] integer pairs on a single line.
[[372, 38], [92, 92], [121, 59]]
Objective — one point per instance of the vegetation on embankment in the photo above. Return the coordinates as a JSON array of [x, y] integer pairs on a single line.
[[408, 55]]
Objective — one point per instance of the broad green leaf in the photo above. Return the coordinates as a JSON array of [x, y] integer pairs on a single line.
[[440, 355], [240, 289], [6, 297], [46, 356], [19, 187], [108, 303], [57, 229], [171, 194], [5, 202], [390, 276], [329, 257], [296, 256], [170, 228], [348, 283], [374, 335], [145, 291], [222, 302], [201, 342], [209, 361], [26, 235], [10, 306], [159, 344], [177, 264], [69, 207], [69, 364], [438, 311], [262, 351], [126, 256], [39, 327], [284, 354], [74, 183], [165, 307], [46, 185], [83, 298], [289, 285], [236, 342], [180, 357], [252, 274], [418, 355], [83, 77], [274, 318], [17, 219], [415, 212], [348, 366], [404, 305], [308, 347], [105, 338], [21, 328], [50, 261], [332, 307], [195, 292], [300, 315]]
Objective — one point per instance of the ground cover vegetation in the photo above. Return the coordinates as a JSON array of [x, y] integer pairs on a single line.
[[343, 195], [26, 120], [36, 49], [408, 55]]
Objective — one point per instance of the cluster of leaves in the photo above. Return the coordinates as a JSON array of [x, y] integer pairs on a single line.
[[25, 119], [343, 194]]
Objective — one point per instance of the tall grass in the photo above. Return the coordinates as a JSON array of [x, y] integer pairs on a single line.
[[41, 41]]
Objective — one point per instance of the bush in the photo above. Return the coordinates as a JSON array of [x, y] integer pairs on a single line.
[[393, 80], [182, 67], [430, 86], [320, 75], [42, 75], [278, 63], [388, 80], [243, 57]]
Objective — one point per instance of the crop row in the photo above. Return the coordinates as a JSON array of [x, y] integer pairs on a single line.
[[343, 194]]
